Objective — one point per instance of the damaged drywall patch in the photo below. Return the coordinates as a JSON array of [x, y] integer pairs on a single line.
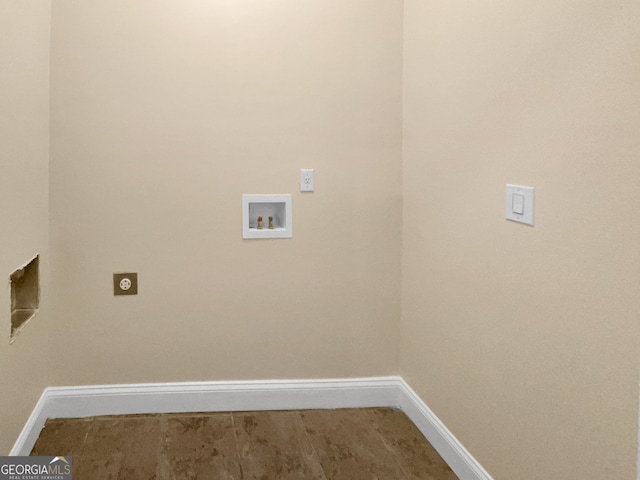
[[25, 295]]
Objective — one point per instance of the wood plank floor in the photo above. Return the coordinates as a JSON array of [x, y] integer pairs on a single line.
[[344, 444]]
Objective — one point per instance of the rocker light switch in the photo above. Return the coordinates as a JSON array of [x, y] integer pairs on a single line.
[[520, 203]]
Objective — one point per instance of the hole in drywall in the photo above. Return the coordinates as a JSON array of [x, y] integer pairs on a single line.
[[25, 295]]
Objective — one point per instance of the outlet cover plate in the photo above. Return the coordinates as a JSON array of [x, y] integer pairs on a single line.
[[125, 283], [307, 180]]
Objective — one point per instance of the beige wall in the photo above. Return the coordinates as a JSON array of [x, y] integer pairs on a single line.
[[524, 341], [163, 115], [24, 202]]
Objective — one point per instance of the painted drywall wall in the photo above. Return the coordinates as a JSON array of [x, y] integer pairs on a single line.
[[163, 114], [524, 340], [24, 202]]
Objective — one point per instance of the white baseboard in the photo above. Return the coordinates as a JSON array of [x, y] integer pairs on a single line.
[[74, 402], [27, 438], [87, 401], [447, 445]]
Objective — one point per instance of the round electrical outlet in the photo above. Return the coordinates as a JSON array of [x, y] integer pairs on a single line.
[[125, 284]]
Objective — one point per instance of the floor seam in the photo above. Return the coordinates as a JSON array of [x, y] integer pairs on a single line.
[[235, 438], [315, 452], [385, 446]]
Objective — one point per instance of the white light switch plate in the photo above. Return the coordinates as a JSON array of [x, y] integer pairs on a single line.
[[520, 199]]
